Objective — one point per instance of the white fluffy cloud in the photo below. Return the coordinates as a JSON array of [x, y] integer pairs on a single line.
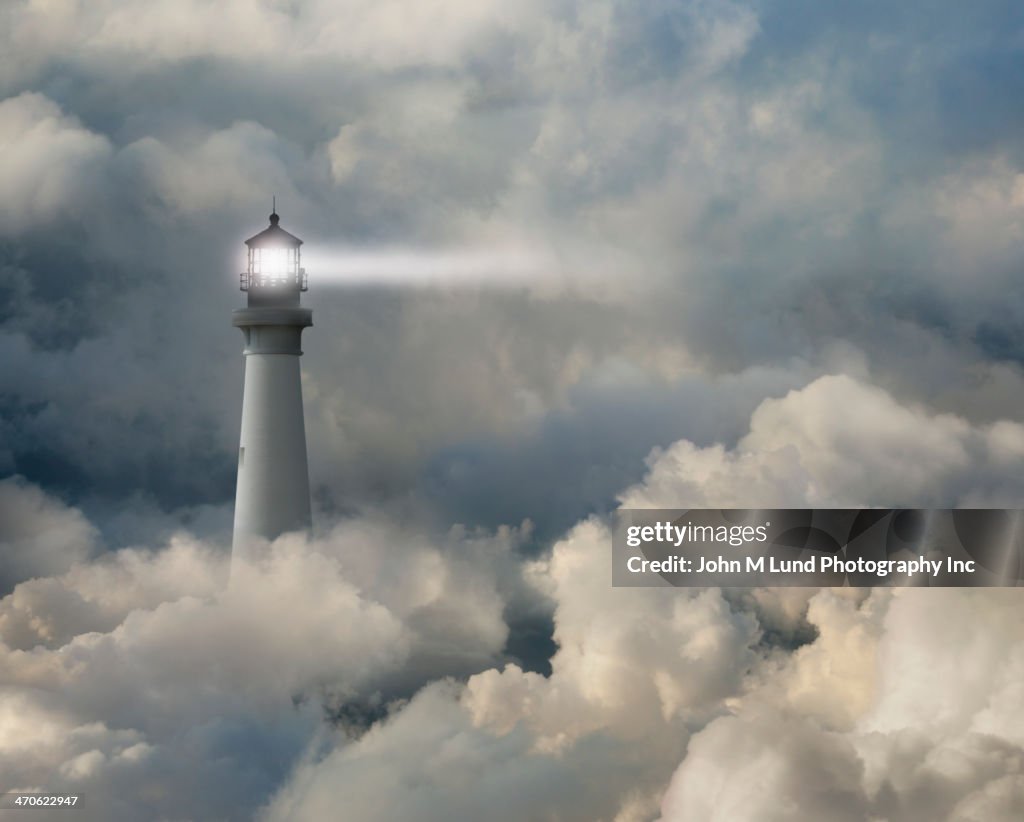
[[230, 168], [385, 35], [894, 711], [429, 762], [50, 161], [595, 740], [921, 744], [842, 442], [41, 536], [137, 666], [646, 659]]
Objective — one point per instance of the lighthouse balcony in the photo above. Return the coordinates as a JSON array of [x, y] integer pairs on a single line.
[[248, 280]]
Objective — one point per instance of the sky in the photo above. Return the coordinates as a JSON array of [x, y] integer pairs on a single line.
[[563, 256]]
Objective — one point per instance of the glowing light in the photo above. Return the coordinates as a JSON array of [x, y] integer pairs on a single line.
[[274, 265], [426, 267]]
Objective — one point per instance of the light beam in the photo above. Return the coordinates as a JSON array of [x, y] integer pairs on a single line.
[[424, 268]]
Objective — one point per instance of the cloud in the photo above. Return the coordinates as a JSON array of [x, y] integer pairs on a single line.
[[140, 664], [41, 536], [385, 36], [51, 162], [839, 442], [631, 677], [594, 446], [429, 762], [757, 732], [228, 169], [899, 759], [772, 770], [146, 680], [644, 661]]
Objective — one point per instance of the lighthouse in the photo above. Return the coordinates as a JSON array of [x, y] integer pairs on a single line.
[[272, 494]]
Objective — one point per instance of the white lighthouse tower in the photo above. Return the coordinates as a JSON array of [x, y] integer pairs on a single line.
[[272, 495]]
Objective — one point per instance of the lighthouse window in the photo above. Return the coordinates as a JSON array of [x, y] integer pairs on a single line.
[[274, 264]]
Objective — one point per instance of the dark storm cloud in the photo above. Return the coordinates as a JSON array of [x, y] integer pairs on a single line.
[[589, 451], [776, 180]]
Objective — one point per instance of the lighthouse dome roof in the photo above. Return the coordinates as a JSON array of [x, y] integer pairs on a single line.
[[273, 236]]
